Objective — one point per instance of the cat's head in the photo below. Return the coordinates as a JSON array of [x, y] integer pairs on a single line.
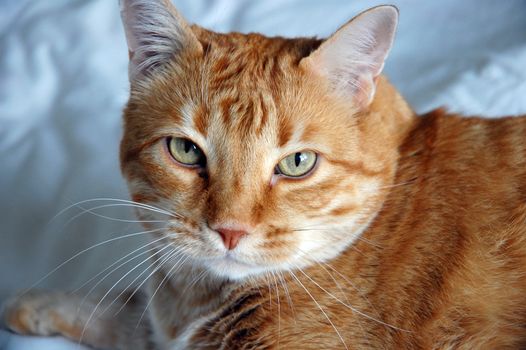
[[271, 153]]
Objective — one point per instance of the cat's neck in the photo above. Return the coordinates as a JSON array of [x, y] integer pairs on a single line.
[[389, 114], [196, 283], [179, 299]]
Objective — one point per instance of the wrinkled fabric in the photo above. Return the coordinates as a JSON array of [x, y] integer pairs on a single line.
[[63, 83]]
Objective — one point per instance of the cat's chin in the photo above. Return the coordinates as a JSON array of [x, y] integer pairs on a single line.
[[232, 268]]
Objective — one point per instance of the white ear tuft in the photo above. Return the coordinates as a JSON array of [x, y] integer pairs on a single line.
[[354, 55], [155, 32]]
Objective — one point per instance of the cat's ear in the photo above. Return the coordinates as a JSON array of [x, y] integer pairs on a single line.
[[353, 57], [155, 32]]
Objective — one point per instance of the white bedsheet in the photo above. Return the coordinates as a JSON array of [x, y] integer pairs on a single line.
[[63, 83]]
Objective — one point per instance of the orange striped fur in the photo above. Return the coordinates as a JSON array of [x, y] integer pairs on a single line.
[[410, 232]]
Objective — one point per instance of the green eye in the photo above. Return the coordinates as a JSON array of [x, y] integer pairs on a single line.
[[297, 164], [185, 151]]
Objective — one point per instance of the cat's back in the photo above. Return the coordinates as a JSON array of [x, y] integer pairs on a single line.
[[457, 221], [477, 165]]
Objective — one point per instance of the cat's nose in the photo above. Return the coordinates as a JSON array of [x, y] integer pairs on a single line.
[[231, 237]]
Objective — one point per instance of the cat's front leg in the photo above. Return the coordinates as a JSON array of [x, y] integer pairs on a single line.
[[70, 315]]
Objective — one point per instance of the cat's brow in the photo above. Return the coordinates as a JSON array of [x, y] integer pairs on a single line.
[[201, 119], [132, 153]]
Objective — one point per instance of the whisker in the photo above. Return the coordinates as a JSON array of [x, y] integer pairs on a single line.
[[165, 257], [122, 264], [269, 289], [287, 294], [102, 300], [360, 293], [205, 273], [321, 309], [131, 203], [335, 282], [343, 293], [92, 211], [176, 251], [86, 250], [195, 280], [412, 181], [119, 260], [115, 269], [368, 241], [349, 306], [279, 306], [130, 271], [169, 274], [321, 264]]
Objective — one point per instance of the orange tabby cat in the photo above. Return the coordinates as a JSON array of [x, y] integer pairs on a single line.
[[304, 204]]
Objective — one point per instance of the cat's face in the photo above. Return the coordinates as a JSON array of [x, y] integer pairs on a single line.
[[264, 167]]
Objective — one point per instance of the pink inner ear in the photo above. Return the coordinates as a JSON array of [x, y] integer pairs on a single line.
[[363, 90], [353, 57]]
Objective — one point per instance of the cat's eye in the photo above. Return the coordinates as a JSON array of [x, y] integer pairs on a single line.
[[185, 151], [297, 164]]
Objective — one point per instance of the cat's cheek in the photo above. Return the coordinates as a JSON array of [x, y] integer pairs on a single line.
[[151, 182]]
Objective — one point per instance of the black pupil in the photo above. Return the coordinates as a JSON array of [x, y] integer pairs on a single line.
[[188, 145], [297, 159]]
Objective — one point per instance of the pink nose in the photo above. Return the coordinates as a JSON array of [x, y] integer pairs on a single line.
[[231, 237]]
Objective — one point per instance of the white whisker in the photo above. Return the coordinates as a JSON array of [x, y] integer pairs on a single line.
[[353, 309], [321, 309], [176, 251], [165, 257], [131, 203], [195, 280], [128, 273], [103, 298], [360, 293], [279, 306], [136, 266], [92, 211], [86, 250], [119, 260], [170, 273], [287, 294]]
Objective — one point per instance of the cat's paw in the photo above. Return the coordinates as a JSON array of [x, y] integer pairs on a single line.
[[36, 313], [70, 315]]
